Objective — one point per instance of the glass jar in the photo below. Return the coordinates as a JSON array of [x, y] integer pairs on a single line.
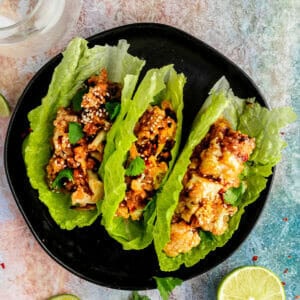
[[28, 27]]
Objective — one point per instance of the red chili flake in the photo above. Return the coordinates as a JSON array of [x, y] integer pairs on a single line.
[[2, 265], [282, 133], [283, 283], [244, 157], [255, 258], [285, 219], [289, 256], [297, 297], [286, 270]]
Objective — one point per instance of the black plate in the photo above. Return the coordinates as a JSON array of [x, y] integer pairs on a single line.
[[89, 252]]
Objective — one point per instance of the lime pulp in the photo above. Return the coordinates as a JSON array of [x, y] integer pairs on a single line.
[[251, 283]]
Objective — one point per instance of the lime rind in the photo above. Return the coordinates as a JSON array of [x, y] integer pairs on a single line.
[[251, 282], [4, 107], [64, 297]]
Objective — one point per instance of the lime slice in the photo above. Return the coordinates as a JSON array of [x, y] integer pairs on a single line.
[[64, 297], [251, 283], [4, 108]]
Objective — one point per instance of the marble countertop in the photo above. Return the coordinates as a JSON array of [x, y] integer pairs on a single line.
[[261, 37]]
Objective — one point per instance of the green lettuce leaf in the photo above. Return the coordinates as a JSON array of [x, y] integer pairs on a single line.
[[78, 64], [248, 117], [157, 85], [233, 195]]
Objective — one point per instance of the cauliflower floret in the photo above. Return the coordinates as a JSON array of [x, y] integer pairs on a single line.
[[183, 238]]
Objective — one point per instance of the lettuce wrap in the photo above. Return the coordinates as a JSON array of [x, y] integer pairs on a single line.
[[157, 85], [78, 63], [248, 117]]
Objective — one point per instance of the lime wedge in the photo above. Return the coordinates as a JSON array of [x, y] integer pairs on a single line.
[[4, 108], [251, 283], [64, 297]]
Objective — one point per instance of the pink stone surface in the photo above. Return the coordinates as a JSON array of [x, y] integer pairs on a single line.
[[259, 37]]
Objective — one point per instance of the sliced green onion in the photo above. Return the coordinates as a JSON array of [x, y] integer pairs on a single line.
[[62, 176], [113, 109]]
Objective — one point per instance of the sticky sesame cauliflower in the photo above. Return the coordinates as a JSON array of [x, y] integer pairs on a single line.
[[155, 134], [215, 166], [84, 156]]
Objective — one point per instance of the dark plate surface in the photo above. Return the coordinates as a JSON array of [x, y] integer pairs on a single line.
[[89, 252]]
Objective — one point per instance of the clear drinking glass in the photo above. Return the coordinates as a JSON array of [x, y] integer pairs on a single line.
[[28, 27]]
